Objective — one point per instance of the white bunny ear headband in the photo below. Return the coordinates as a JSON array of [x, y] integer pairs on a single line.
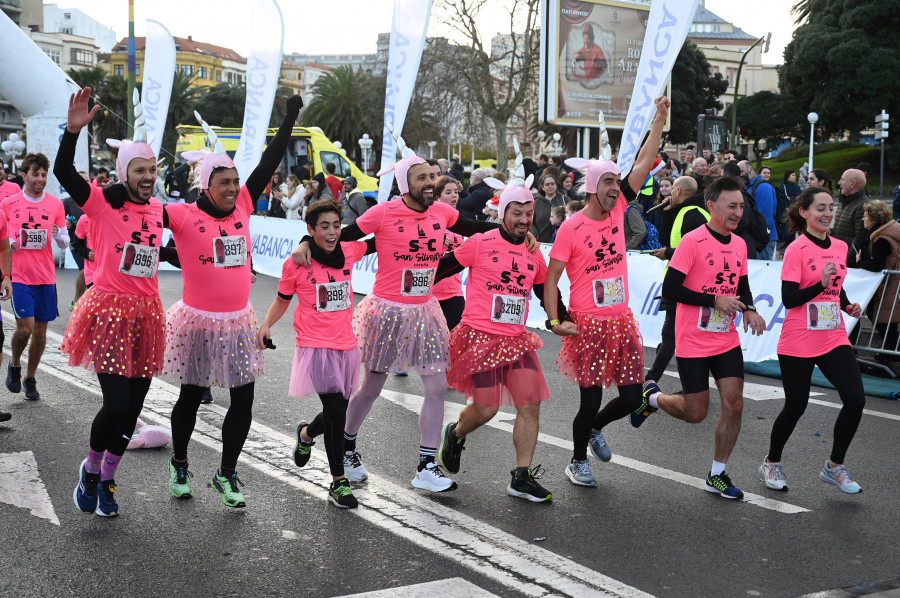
[[408, 159], [138, 147], [519, 179]]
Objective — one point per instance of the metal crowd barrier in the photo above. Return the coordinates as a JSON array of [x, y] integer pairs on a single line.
[[878, 328]]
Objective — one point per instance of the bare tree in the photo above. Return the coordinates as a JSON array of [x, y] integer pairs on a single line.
[[499, 77]]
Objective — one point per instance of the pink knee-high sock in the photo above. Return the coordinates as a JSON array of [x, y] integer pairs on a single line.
[[361, 401], [432, 415], [108, 469], [92, 465]]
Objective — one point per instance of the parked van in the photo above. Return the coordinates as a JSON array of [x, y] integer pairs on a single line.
[[308, 146]]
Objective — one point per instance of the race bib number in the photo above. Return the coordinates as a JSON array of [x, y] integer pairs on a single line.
[[822, 315], [33, 238], [609, 291], [230, 251], [139, 261], [713, 320], [417, 283], [333, 296], [508, 310]]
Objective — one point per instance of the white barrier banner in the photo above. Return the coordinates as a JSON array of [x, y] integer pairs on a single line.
[[408, 29], [159, 72], [273, 240], [667, 28], [263, 68]]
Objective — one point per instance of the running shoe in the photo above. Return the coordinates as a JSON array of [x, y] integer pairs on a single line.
[[72, 306], [227, 487], [645, 410], [840, 477], [773, 476], [353, 467], [431, 477], [180, 479], [526, 486], [721, 485], [207, 397], [31, 391], [579, 473], [13, 378], [451, 449], [301, 450], [85, 495], [599, 446], [5, 417], [107, 505], [341, 496]]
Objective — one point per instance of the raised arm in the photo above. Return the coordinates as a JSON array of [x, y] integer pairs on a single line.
[[647, 155], [271, 158]]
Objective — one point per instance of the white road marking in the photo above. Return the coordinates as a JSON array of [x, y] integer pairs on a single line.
[[21, 485], [486, 550], [414, 403], [456, 586]]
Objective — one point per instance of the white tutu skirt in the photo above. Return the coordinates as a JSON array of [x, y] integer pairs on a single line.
[[324, 371]]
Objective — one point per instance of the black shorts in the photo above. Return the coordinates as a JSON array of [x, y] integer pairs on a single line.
[[694, 371]]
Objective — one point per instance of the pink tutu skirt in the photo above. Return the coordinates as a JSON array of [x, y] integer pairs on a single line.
[[399, 337], [496, 370], [208, 348], [608, 350], [114, 333], [322, 371]]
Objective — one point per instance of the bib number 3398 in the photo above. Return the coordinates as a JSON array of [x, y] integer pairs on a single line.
[[139, 261]]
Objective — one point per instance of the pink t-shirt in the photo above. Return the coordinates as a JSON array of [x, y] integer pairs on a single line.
[[214, 254], [451, 286], [324, 314], [500, 279], [814, 328], [33, 261], [4, 228], [594, 253], [83, 230], [410, 244], [713, 268], [126, 245], [8, 188]]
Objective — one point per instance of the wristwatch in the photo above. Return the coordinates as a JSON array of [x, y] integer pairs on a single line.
[[551, 323], [750, 308]]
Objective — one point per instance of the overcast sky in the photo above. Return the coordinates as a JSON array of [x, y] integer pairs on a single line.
[[352, 26]]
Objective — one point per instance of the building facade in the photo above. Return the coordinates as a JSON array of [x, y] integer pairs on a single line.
[[73, 21]]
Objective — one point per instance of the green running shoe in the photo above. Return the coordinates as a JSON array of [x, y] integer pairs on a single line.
[[180, 479], [227, 487], [341, 496], [301, 450]]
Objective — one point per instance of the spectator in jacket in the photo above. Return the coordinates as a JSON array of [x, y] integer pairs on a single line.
[[479, 193], [848, 225], [355, 204], [635, 227], [766, 203], [292, 200], [546, 197], [334, 183]]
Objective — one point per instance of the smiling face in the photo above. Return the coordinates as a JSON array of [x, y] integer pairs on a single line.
[[608, 191], [36, 180], [327, 231], [421, 184], [141, 177], [665, 188], [727, 210], [518, 217], [224, 187], [567, 183], [819, 214]]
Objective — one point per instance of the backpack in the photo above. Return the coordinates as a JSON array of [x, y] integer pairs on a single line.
[[651, 239], [782, 203], [756, 223]]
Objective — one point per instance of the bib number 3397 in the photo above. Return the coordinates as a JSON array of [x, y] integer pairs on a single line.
[[139, 261]]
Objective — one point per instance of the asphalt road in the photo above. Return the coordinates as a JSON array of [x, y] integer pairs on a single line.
[[649, 528]]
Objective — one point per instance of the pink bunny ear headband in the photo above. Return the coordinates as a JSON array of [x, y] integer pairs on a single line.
[[138, 147], [595, 169], [407, 161], [209, 159], [519, 190]]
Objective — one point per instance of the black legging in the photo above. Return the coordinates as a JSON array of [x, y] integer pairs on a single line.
[[839, 367], [123, 399], [453, 309], [588, 417], [331, 421], [666, 349], [234, 429]]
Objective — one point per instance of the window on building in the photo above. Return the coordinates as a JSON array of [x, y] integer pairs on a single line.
[[219, 76], [717, 28], [228, 78], [119, 70], [341, 166], [201, 72], [731, 75], [137, 70], [187, 69], [67, 15], [4, 116], [66, 30], [77, 56], [54, 55]]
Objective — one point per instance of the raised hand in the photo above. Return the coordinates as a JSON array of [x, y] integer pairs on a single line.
[[79, 115]]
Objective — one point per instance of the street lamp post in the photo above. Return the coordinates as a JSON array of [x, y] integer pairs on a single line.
[[812, 117], [737, 83], [558, 148], [13, 146], [365, 144], [431, 145], [540, 136]]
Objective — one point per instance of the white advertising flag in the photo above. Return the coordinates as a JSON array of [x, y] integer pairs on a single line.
[[408, 30], [263, 69], [158, 74], [667, 28]]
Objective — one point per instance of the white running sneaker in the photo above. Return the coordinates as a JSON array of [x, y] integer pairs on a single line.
[[840, 477], [432, 478], [353, 467], [773, 475], [579, 473]]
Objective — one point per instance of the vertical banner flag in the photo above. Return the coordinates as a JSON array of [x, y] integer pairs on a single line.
[[263, 68], [159, 72], [667, 28], [410, 23]]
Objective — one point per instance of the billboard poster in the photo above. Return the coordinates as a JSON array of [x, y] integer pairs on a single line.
[[590, 60]]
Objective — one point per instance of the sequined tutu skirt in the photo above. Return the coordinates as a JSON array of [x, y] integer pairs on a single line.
[[608, 350], [114, 333], [395, 337], [321, 371], [207, 348], [496, 370]]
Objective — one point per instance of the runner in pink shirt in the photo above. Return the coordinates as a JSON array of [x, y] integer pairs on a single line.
[[36, 221], [602, 345], [707, 278], [83, 231], [813, 334], [5, 283], [448, 291], [116, 328], [326, 358], [7, 187]]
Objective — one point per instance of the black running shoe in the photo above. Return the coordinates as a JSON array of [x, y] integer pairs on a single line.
[[644, 410], [341, 496], [526, 486], [207, 397], [13, 378], [31, 391], [302, 450], [451, 449]]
